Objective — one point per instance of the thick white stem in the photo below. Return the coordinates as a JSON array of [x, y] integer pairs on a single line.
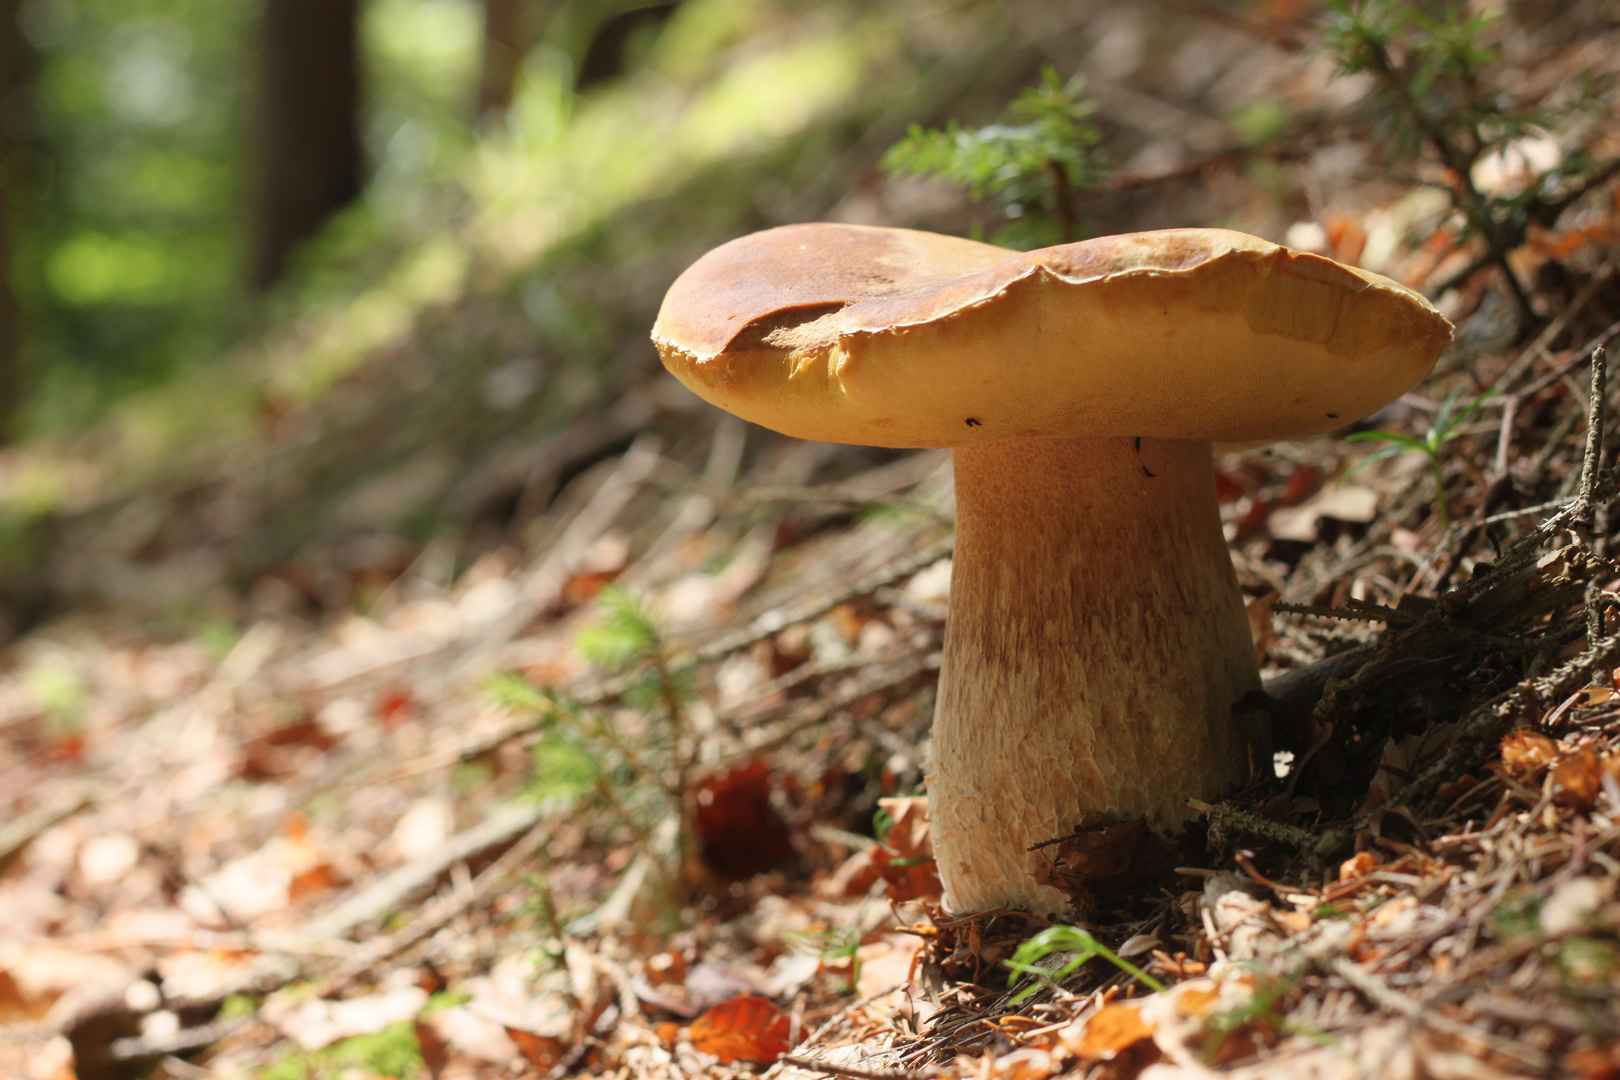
[[1096, 645]]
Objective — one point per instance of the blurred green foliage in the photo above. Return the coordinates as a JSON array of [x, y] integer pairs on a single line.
[[393, 1051], [521, 243], [131, 238], [130, 267]]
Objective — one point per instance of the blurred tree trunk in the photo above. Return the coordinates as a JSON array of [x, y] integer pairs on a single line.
[[509, 28], [309, 141], [16, 65]]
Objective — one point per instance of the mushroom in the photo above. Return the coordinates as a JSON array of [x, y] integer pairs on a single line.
[[1097, 639]]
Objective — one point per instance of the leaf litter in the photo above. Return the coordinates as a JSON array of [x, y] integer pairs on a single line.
[[645, 802]]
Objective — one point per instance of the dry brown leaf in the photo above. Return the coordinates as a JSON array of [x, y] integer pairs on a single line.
[[435, 1051], [1112, 1030], [1577, 779], [1197, 1000], [1260, 628], [1358, 865], [541, 1051], [16, 1006], [1525, 752], [1027, 1063], [739, 831], [1593, 1063], [906, 858], [748, 1028]]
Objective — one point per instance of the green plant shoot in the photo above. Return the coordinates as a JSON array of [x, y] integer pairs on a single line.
[[1057, 939], [1430, 67], [1446, 422], [627, 632], [1032, 163]]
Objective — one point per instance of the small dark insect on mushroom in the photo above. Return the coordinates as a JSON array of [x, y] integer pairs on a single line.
[[974, 423], [1139, 444], [1151, 475], [1333, 416]]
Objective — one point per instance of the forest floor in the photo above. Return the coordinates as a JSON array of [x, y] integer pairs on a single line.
[[437, 830]]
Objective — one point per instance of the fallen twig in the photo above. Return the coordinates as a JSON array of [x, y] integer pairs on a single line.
[[848, 1070], [1314, 844], [394, 890], [1393, 1001]]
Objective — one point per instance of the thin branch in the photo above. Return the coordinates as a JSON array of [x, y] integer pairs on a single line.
[[848, 1070], [1591, 460]]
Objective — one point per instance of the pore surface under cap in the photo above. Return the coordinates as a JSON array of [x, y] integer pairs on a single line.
[[891, 337]]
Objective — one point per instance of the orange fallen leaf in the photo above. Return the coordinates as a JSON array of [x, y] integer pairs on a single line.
[[434, 1050], [1577, 779], [1113, 1029], [1196, 1001], [541, 1051], [1358, 865], [1259, 611], [906, 858], [748, 1028], [1526, 751]]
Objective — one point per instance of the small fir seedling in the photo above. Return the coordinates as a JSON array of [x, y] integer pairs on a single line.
[[1447, 421], [1058, 939], [626, 638], [1432, 70], [1033, 163], [582, 747], [625, 634]]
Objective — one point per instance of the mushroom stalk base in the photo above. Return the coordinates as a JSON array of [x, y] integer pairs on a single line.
[[1096, 645]]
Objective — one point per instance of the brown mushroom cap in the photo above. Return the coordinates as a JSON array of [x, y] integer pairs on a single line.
[[892, 337]]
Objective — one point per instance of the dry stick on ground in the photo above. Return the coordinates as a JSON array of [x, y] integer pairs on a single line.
[[801, 609], [357, 967], [439, 913], [545, 583], [393, 891], [804, 609], [374, 903], [1393, 1001], [1487, 723], [1592, 459], [847, 1070], [1537, 349], [848, 495], [882, 680], [1303, 839], [21, 830]]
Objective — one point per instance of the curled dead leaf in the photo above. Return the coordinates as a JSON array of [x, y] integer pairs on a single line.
[[748, 1028], [1112, 1030], [906, 858], [1358, 865], [434, 1050], [1577, 779], [738, 829], [1525, 752], [1260, 629], [541, 1051]]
